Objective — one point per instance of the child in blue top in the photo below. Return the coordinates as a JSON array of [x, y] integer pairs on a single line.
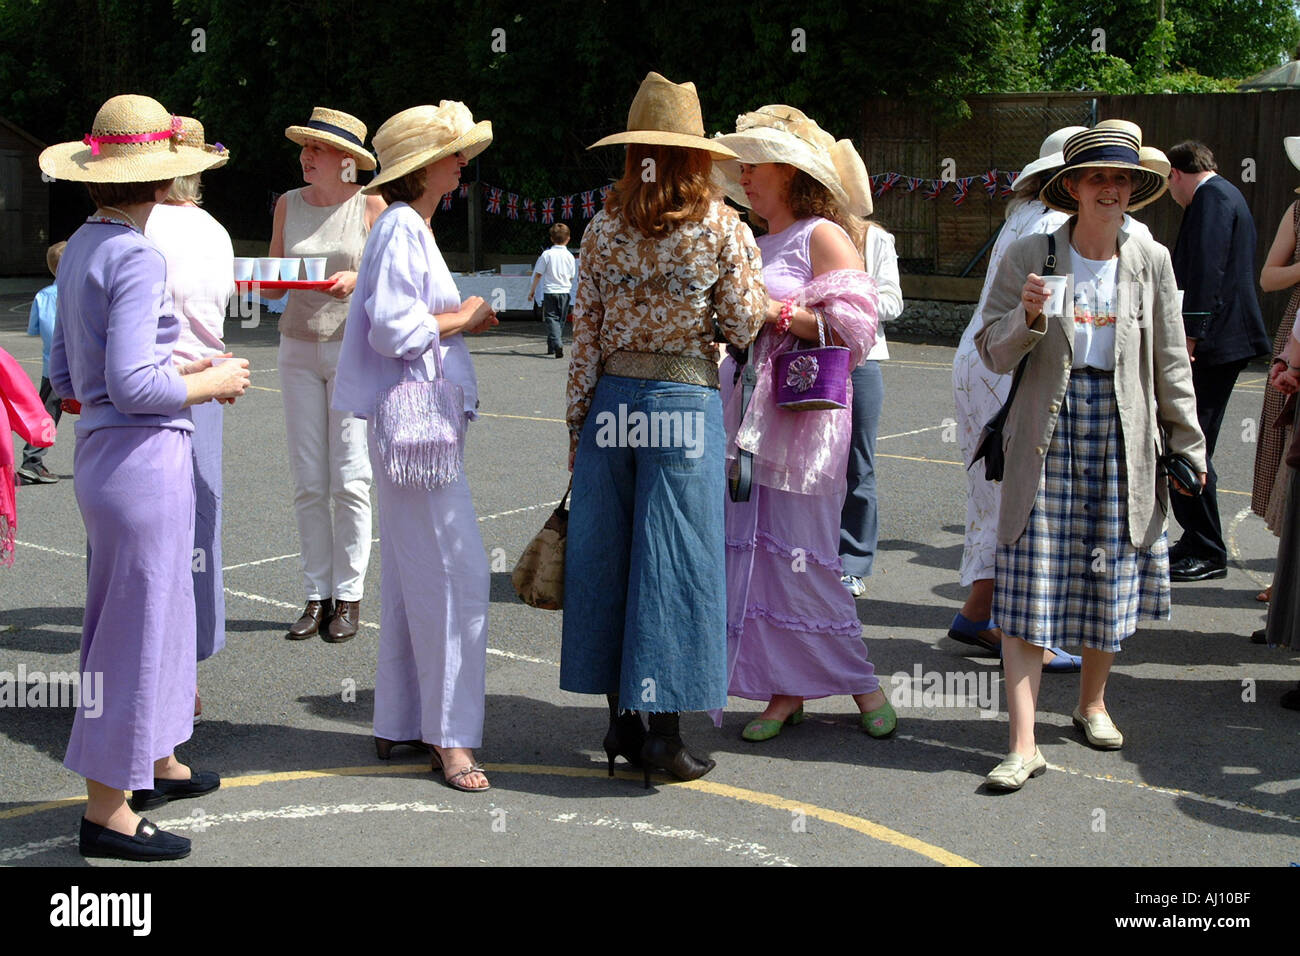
[[32, 471]]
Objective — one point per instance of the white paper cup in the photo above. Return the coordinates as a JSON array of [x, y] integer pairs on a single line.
[[315, 269], [1055, 304], [289, 269], [266, 270], [1178, 300], [244, 269]]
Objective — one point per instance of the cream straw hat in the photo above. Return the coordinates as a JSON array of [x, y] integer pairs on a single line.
[[1292, 146], [1114, 144], [192, 135], [1049, 156], [783, 134], [133, 140], [338, 129], [664, 113], [422, 135]]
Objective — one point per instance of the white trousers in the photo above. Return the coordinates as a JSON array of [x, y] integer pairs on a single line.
[[329, 462], [433, 588]]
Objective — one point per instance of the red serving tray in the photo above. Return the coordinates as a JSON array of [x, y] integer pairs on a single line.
[[281, 285]]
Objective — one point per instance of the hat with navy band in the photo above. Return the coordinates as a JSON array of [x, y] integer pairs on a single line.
[[338, 129], [1113, 144]]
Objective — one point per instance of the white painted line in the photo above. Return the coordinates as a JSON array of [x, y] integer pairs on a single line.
[[914, 431], [1234, 552]]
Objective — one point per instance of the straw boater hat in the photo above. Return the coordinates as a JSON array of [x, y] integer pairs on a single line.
[[1049, 156], [664, 113], [338, 129], [1292, 146], [783, 134], [1115, 144], [192, 135], [133, 140], [422, 135]]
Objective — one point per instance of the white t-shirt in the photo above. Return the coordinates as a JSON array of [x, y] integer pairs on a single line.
[[557, 267], [200, 275], [881, 261], [1094, 311]]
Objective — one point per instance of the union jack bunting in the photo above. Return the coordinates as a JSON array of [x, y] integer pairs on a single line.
[[548, 210], [530, 210], [1006, 187], [512, 205], [963, 187], [990, 181], [494, 200], [913, 183], [446, 200], [464, 190], [604, 191], [887, 181], [588, 204], [933, 189], [566, 207]]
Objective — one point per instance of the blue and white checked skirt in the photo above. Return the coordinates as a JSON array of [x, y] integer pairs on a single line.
[[1074, 576]]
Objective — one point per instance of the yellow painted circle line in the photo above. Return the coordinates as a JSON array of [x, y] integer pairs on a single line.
[[861, 825]]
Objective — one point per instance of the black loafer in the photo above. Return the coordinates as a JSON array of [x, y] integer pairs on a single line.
[[149, 843], [1260, 636], [165, 791], [1197, 569]]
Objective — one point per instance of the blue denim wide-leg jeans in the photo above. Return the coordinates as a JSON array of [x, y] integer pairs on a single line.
[[645, 561]]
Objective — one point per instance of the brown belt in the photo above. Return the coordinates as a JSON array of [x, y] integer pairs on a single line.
[[662, 367]]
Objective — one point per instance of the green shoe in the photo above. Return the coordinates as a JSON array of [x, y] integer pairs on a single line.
[[881, 722], [757, 730]]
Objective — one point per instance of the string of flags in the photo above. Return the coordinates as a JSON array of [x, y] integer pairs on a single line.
[[995, 182], [501, 202]]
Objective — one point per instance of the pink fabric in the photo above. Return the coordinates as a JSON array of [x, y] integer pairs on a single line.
[[26, 415], [93, 141], [804, 452]]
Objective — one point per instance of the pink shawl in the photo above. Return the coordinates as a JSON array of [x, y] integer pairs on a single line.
[[23, 412], [805, 452]]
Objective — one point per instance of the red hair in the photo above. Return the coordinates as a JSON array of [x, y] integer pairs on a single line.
[[661, 187]]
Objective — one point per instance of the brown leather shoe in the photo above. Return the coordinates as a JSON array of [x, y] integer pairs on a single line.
[[314, 618], [343, 626]]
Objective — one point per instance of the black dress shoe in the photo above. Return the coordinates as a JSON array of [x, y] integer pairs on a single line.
[[559, 352], [149, 843], [1197, 569], [315, 618], [165, 791], [1260, 636]]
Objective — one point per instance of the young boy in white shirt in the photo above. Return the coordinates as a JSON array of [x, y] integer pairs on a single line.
[[555, 269]]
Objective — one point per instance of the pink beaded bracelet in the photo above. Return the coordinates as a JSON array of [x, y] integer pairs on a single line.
[[784, 319]]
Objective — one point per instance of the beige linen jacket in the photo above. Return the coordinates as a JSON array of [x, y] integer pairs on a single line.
[[1153, 376]]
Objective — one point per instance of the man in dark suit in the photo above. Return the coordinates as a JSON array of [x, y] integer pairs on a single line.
[[1214, 261]]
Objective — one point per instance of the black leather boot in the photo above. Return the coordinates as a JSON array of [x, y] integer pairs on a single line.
[[626, 735], [664, 750]]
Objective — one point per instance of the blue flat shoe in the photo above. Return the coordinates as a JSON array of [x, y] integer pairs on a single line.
[[1063, 663], [966, 631]]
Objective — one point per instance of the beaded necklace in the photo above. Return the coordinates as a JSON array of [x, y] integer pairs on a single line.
[[126, 219]]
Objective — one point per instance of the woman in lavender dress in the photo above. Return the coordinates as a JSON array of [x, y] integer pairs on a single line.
[[407, 315], [792, 628], [112, 352]]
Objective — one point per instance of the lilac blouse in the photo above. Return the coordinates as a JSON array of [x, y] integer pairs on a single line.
[[115, 332]]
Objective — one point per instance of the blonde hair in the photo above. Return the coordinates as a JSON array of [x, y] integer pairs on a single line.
[[185, 189]]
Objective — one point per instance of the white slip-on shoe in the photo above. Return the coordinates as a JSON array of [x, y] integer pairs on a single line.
[[1012, 773], [1099, 729]]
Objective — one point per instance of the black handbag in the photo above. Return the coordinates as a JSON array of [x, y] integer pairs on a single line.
[[741, 478], [1179, 469], [990, 449]]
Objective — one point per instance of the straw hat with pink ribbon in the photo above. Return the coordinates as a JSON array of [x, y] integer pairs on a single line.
[[134, 139]]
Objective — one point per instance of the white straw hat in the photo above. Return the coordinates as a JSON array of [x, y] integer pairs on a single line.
[[783, 134], [1292, 146], [134, 139], [1049, 156], [414, 138], [340, 130]]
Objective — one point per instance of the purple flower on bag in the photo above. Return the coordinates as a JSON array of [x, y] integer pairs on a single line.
[[802, 373]]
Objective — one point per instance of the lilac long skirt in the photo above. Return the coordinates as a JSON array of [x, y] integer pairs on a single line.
[[792, 627], [209, 585], [135, 489]]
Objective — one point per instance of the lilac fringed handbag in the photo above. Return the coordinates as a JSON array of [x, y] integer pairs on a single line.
[[809, 379], [420, 429]]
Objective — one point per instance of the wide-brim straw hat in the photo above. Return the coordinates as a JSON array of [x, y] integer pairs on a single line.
[[414, 138], [664, 113], [1292, 146], [1114, 144], [134, 139], [1050, 156], [338, 129], [192, 134], [783, 134]]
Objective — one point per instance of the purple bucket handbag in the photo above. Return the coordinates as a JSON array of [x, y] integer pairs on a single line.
[[420, 429], [813, 378]]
